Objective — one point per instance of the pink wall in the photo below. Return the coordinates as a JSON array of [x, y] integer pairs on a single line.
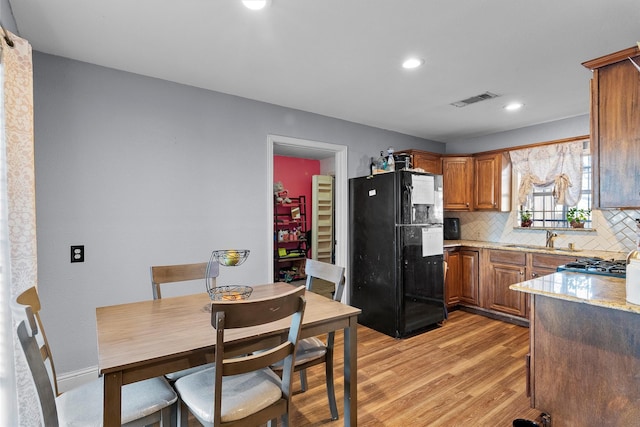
[[295, 175]]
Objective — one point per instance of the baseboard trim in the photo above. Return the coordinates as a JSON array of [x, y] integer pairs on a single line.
[[72, 379]]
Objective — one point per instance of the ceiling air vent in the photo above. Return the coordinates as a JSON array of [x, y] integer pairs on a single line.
[[474, 99]]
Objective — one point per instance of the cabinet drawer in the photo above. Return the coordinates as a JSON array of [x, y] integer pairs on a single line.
[[550, 261], [508, 257]]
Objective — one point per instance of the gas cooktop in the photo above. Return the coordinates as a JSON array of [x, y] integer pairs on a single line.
[[611, 267]]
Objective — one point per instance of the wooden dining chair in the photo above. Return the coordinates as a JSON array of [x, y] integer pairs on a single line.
[[182, 274], [244, 391], [313, 351], [143, 403]]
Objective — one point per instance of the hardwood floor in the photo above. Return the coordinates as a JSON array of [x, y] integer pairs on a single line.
[[469, 372]]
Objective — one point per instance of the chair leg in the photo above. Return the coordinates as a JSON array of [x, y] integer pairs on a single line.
[[183, 414], [303, 380], [331, 392], [166, 416]]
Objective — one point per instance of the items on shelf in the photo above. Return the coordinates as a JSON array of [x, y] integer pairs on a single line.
[[280, 193], [290, 236]]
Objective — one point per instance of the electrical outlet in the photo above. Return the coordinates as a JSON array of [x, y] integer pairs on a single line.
[[77, 253]]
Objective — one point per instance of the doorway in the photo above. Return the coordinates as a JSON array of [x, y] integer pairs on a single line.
[[325, 152]]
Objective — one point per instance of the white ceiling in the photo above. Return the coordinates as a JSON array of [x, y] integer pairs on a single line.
[[341, 58]]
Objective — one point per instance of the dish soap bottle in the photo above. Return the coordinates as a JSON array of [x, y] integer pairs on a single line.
[[391, 163]]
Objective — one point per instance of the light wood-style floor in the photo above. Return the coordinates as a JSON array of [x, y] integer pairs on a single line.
[[469, 372]]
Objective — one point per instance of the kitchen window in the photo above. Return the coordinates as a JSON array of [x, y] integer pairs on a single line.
[[545, 213]]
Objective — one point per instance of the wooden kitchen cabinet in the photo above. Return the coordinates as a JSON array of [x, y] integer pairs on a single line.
[[543, 264], [492, 183], [452, 285], [430, 162], [457, 179], [469, 276], [461, 284], [504, 269], [615, 129]]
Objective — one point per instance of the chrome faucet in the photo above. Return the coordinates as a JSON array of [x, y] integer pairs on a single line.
[[551, 236]]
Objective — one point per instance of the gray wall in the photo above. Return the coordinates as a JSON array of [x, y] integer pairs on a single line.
[[560, 129], [143, 171]]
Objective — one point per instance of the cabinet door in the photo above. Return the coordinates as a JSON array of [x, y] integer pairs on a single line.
[[615, 119], [452, 283], [500, 297], [457, 182], [430, 162], [469, 271], [487, 182]]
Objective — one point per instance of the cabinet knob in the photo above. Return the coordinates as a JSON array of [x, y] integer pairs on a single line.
[[534, 274], [521, 273]]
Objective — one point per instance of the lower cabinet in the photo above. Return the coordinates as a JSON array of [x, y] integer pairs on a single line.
[[508, 267], [480, 278], [543, 264], [461, 284], [505, 269], [452, 277]]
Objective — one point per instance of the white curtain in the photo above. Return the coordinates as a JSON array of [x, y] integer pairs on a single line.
[[557, 165], [17, 222]]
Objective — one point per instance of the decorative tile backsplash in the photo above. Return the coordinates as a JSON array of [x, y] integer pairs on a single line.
[[613, 230]]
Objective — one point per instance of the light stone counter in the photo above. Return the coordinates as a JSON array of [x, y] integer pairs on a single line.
[[580, 253], [592, 289]]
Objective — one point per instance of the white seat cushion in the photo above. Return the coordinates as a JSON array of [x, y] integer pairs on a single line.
[[308, 349], [82, 406], [175, 376], [242, 395]]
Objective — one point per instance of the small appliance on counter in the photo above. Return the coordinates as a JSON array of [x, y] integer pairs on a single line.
[[452, 229]]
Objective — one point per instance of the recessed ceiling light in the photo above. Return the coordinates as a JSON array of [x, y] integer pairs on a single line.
[[256, 4], [513, 106], [412, 63]]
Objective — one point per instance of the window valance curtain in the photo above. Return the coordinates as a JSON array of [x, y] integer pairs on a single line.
[[557, 165]]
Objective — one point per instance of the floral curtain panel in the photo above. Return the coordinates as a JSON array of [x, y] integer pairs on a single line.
[[557, 165], [18, 221]]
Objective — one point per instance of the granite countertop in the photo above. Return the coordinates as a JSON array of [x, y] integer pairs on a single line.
[[579, 253], [592, 289]]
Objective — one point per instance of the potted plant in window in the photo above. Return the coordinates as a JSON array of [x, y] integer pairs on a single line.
[[525, 218], [576, 217]]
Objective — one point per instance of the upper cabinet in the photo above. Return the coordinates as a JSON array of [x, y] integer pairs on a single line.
[[430, 162], [457, 181], [471, 182], [492, 182], [615, 129]]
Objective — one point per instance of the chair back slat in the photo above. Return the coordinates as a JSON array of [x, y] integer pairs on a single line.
[[162, 274], [27, 307], [28, 329], [325, 271]]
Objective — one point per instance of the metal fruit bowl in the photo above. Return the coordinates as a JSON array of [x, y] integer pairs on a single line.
[[230, 257], [230, 293]]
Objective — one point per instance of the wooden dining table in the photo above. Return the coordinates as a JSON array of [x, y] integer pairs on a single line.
[[142, 340]]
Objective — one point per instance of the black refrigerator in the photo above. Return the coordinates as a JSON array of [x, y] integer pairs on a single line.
[[395, 251]]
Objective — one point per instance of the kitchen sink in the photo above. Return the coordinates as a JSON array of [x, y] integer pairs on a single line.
[[539, 247]]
